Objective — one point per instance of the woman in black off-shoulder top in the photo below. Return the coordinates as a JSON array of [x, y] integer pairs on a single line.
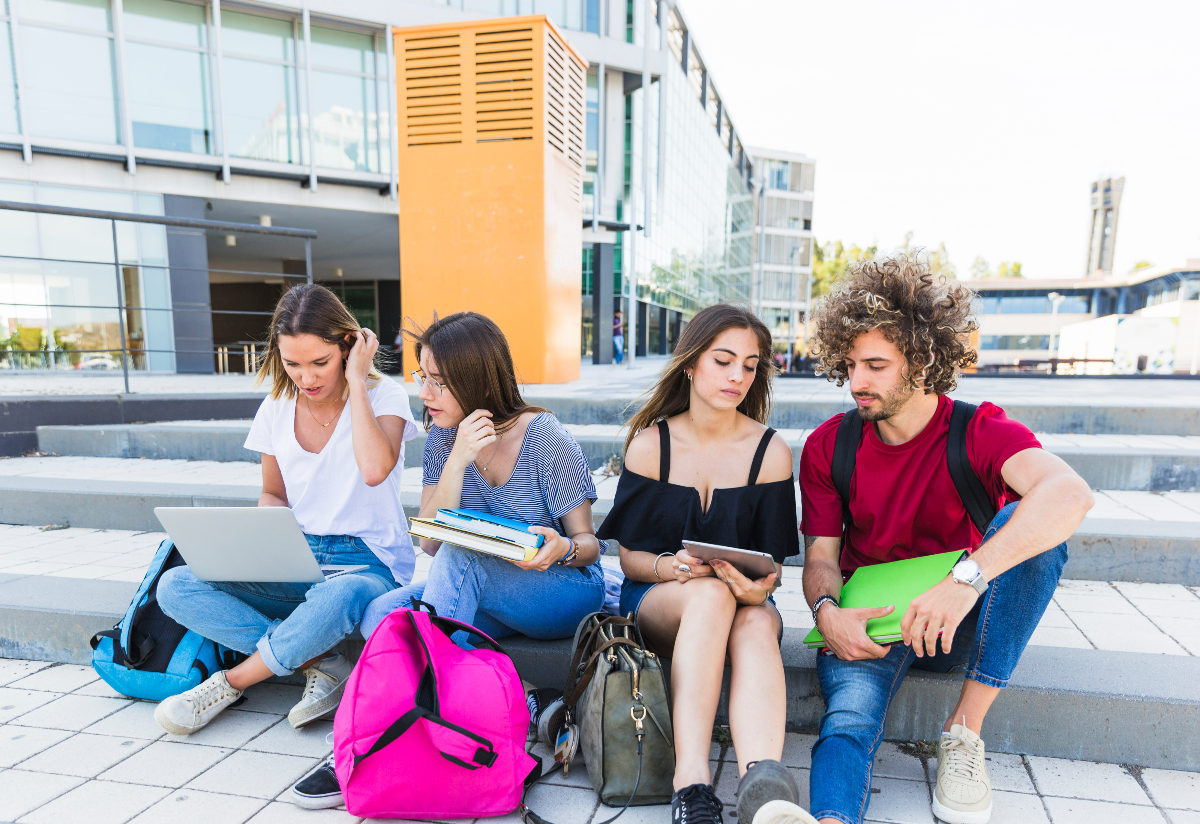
[[701, 465]]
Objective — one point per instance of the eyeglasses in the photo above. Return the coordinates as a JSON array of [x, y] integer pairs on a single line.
[[421, 380]]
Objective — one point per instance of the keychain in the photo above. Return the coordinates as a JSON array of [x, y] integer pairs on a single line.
[[567, 745]]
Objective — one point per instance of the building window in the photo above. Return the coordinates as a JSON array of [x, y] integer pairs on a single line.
[[347, 131], [9, 122], [167, 66], [777, 174], [1038, 304], [593, 145], [68, 71], [1034, 342], [261, 103]]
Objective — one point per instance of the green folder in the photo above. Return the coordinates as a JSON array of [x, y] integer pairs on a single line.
[[895, 583]]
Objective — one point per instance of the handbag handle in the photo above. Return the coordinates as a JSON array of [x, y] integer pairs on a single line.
[[575, 689]]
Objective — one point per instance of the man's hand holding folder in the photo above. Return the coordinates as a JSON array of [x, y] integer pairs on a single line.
[[845, 632]]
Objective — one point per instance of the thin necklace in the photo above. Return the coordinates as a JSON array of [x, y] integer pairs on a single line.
[[494, 451], [315, 418]]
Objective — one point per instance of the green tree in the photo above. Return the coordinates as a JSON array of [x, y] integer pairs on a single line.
[[1009, 270], [939, 262], [1141, 264], [834, 259]]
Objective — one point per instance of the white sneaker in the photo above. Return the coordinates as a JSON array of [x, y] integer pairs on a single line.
[[189, 711], [964, 791], [782, 812], [326, 680]]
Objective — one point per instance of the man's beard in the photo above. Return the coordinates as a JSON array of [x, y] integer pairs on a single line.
[[889, 404]]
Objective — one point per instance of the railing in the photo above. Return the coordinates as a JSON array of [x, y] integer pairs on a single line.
[[129, 350]]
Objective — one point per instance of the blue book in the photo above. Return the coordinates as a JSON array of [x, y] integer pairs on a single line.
[[491, 526]]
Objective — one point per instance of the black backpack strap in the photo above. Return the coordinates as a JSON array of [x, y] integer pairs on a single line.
[[845, 454], [974, 496], [664, 451], [759, 454]]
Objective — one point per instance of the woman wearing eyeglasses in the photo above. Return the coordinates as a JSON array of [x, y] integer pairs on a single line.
[[490, 451]]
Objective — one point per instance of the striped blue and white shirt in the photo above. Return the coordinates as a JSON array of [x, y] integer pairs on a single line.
[[551, 476]]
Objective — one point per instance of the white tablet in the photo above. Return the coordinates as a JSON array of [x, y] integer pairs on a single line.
[[753, 565]]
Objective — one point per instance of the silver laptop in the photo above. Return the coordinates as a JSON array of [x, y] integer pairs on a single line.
[[255, 544]]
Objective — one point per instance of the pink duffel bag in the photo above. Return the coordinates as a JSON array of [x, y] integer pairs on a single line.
[[427, 729]]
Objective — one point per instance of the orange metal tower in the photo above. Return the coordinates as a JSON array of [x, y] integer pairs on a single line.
[[490, 167]]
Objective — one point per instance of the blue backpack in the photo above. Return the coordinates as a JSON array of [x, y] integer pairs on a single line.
[[149, 655]]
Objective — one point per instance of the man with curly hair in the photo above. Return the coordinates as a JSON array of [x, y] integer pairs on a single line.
[[900, 338]]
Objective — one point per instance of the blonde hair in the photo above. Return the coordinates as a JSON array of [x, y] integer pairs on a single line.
[[309, 309]]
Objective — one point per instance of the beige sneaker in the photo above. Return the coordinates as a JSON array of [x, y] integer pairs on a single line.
[[190, 711], [325, 682], [964, 792]]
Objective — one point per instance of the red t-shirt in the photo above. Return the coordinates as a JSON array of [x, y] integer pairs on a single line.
[[903, 503]]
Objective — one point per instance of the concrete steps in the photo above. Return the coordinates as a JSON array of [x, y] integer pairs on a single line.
[[1117, 707], [1158, 463], [1152, 538]]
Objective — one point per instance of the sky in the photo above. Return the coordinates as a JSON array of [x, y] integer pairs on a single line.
[[980, 125]]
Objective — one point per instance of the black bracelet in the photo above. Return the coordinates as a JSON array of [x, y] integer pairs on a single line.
[[820, 602]]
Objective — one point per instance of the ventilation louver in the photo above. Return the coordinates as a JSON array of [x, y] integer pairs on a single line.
[[433, 93], [504, 85]]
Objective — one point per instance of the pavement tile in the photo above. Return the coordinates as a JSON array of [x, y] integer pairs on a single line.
[[19, 743], [1185, 631], [893, 762], [1126, 633], [1172, 788], [255, 774], [281, 812], [797, 750], [135, 721], [1017, 808], [1154, 592], [902, 802], [1187, 610], [88, 571], [32, 567], [562, 805], [131, 576], [195, 807], [97, 802], [166, 764], [1085, 779], [15, 669], [276, 699], [1183, 817], [15, 703], [1045, 636], [84, 755], [59, 678], [232, 728], [72, 712], [22, 792], [101, 688], [1106, 601], [281, 738], [1081, 811]]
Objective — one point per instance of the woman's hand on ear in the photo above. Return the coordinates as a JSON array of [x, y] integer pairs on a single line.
[[363, 347]]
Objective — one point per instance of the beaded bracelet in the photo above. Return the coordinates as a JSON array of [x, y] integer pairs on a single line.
[[571, 555], [820, 602]]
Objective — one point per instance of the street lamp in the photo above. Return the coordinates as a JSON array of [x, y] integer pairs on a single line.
[[1055, 300]]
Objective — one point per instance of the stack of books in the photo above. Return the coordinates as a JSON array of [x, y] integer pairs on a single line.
[[896, 584], [479, 531]]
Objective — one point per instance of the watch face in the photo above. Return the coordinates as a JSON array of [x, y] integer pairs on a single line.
[[966, 570]]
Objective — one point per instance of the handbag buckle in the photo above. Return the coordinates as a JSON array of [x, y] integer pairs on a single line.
[[638, 720]]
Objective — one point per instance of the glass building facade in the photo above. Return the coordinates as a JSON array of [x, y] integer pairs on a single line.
[[280, 93]]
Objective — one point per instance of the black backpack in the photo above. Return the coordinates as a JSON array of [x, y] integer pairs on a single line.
[[974, 496]]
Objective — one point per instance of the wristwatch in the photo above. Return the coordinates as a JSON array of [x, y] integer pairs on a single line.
[[968, 572]]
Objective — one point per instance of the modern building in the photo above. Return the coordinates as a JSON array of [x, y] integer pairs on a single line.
[[1106, 209], [285, 114], [783, 210], [1035, 320]]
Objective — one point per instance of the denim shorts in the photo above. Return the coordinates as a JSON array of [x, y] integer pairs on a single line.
[[632, 593]]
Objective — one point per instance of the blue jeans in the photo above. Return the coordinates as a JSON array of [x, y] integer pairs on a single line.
[[618, 348], [288, 624], [987, 646], [497, 597]]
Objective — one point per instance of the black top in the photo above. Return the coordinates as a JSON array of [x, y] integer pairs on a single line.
[[655, 516]]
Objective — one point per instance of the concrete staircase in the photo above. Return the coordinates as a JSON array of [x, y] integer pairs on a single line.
[[1120, 707]]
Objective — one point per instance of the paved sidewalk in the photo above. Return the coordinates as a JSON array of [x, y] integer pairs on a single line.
[[71, 750], [1119, 616]]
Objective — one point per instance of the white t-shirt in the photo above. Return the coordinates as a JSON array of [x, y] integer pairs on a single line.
[[326, 490]]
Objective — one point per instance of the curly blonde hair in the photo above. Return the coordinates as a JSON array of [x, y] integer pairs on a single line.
[[929, 320]]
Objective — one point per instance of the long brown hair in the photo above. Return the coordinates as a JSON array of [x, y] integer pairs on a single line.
[[308, 309], [673, 395], [475, 363]]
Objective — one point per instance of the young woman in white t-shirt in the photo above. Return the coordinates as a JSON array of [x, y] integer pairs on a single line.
[[332, 436]]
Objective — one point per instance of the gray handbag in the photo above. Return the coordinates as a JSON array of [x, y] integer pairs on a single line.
[[617, 694]]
